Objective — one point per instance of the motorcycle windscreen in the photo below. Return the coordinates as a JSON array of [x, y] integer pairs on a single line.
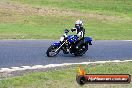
[[72, 38]]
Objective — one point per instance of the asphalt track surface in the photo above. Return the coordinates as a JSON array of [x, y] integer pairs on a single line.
[[15, 53]]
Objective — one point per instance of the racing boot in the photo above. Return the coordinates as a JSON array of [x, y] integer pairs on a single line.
[[66, 51]]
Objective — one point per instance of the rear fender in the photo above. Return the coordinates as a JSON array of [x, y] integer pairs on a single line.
[[87, 40]]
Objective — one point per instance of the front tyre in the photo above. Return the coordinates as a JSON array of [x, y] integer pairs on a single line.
[[81, 50], [51, 51]]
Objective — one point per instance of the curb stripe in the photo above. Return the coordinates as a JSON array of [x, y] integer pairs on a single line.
[[22, 68]]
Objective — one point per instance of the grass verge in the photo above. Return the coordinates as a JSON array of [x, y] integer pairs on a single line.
[[65, 78], [43, 19]]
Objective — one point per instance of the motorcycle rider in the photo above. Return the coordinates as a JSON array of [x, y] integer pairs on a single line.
[[80, 31]]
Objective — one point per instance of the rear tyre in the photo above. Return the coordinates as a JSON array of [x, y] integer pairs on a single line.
[[81, 50], [51, 51]]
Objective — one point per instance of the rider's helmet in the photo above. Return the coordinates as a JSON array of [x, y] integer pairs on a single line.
[[78, 24]]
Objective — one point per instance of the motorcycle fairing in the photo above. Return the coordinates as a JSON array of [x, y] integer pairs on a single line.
[[72, 38]]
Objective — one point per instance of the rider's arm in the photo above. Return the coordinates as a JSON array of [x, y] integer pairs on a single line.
[[84, 31], [73, 29]]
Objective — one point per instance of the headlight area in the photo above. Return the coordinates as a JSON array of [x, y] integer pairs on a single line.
[[61, 39]]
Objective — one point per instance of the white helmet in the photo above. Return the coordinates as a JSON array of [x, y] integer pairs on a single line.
[[79, 23]]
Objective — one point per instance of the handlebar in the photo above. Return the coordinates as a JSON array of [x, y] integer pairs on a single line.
[[66, 31]]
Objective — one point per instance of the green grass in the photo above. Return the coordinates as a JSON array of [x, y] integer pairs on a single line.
[[42, 27], [102, 21], [105, 6], [65, 78]]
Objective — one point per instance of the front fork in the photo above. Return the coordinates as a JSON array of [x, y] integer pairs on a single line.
[[59, 47]]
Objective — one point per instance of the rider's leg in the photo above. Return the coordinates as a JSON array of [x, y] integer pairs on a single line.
[[80, 39]]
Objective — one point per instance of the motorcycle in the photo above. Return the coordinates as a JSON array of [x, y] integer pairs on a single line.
[[69, 44]]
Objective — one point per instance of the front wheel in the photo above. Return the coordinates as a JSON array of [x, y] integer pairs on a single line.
[[81, 50], [51, 51]]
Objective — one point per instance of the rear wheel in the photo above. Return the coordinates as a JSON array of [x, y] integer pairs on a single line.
[[81, 50], [51, 51]]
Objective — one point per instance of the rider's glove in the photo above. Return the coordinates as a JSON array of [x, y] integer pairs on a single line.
[[66, 31], [73, 29]]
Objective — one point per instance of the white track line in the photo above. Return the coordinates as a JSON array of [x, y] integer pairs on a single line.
[[127, 40], [12, 69]]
